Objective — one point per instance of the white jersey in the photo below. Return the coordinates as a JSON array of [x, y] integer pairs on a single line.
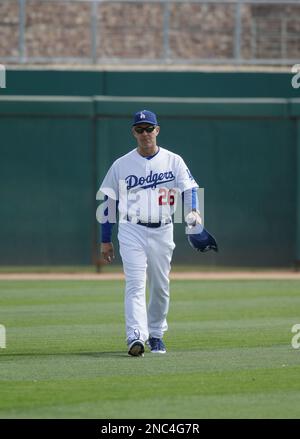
[[147, 189]]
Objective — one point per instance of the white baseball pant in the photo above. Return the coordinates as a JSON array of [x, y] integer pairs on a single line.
[[146, 254]]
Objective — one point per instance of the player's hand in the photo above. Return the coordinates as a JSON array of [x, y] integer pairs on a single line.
[[193, 218], [107, 252]]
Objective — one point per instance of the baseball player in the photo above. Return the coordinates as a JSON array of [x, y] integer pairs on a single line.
[[145, 185]]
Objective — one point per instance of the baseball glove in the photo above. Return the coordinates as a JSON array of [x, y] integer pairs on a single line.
[[199, 238], [203, 242]]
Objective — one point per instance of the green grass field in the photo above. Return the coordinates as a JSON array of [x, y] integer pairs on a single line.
[[229, 352]]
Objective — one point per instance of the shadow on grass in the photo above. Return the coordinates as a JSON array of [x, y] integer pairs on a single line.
[[113, 354]]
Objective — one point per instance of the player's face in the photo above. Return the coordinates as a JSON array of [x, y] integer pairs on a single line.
[[145, 139]]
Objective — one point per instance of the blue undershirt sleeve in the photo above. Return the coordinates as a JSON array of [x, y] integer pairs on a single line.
[[190, 200], [107, 227], [106, 232]]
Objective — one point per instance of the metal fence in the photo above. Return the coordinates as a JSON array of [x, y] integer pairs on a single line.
[[150, 31]]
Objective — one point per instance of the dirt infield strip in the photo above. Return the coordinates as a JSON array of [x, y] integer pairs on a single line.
[[234, 275]]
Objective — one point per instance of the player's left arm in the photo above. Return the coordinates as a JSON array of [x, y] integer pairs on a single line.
[[191, 207], [188, 187]]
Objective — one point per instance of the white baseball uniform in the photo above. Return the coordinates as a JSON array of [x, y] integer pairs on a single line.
[[147, 190]]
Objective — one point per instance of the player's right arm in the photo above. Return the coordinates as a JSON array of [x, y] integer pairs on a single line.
[[107, 223], [109, 187], [107, 251]]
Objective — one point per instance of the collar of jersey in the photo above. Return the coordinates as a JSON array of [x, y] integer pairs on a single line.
[[151, 156]]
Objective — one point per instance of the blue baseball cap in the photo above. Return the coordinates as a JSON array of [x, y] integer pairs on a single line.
[[144, 116]]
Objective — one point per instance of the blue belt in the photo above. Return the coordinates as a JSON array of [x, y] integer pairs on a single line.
[[152, 225]]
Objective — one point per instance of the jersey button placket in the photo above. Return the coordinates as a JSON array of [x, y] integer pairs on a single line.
[[147, 172]]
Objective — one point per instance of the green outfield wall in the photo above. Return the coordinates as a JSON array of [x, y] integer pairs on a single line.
[[46, 173], [56, 150], [55, 82]]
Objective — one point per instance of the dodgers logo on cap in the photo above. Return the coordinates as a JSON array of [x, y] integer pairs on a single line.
[[145, 116]]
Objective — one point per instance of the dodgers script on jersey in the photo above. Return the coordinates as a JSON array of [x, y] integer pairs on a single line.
[[147, 189]]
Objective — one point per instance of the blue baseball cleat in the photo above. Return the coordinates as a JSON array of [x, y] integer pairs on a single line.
[[156, 345]]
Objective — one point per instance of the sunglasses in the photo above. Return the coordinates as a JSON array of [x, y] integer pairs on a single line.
[[140, 130]]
